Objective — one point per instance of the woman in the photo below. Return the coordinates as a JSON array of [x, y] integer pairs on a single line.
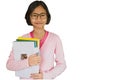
[[51, 49]]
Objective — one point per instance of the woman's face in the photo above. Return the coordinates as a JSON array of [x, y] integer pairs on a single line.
[[38, 17]]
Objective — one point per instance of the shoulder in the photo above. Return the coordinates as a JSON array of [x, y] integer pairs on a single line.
[[27, 35], [55, 37]]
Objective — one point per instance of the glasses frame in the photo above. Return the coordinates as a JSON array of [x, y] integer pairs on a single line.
[[36, 15]]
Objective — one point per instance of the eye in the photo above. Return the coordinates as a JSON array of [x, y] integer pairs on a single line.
[[43, 14], [34, 15]]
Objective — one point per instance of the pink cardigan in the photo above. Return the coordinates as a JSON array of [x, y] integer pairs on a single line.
[[51, 51]]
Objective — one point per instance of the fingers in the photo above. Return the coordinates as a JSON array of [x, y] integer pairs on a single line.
[[36, 76], [34, 59], [37, 60]]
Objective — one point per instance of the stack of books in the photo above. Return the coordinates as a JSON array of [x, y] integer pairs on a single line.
[[22, 49]]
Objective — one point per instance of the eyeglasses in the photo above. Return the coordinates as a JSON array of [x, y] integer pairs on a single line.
[[35, 16]]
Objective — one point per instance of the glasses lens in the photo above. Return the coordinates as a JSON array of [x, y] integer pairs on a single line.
[[35, 16], [43, 16]]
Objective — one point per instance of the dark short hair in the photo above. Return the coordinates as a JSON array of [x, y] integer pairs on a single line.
[[31, 8]]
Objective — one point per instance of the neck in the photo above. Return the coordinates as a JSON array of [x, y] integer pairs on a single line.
[[39, 33]]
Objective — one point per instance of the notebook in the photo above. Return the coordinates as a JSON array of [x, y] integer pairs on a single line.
[[22, 50]]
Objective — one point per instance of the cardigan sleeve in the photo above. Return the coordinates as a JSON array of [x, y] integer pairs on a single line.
[[16, 65], [60, 62]]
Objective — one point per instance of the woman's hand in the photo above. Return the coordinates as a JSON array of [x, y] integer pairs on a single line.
[[34, 60], [37, 76]]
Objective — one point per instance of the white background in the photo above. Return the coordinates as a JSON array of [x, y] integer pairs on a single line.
[[89, 30]]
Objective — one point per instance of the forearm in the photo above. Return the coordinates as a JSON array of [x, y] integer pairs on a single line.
[[56, 71], [16, 65]]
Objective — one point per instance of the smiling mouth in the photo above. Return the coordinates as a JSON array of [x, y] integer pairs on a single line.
[[38, 23]]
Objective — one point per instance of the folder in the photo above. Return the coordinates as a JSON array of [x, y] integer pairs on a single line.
[[22, 50]]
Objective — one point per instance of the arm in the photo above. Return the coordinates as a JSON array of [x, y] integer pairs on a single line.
[[16, 65], [60, 62]]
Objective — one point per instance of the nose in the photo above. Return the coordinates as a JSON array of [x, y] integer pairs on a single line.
[[39, 17]]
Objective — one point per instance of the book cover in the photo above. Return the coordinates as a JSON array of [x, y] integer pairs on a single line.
[[22, 50]]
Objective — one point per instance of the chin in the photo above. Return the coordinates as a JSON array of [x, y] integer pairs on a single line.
[[39, 27]]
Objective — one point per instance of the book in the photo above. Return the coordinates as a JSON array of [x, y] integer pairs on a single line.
[[22, 49], [36, 40]]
